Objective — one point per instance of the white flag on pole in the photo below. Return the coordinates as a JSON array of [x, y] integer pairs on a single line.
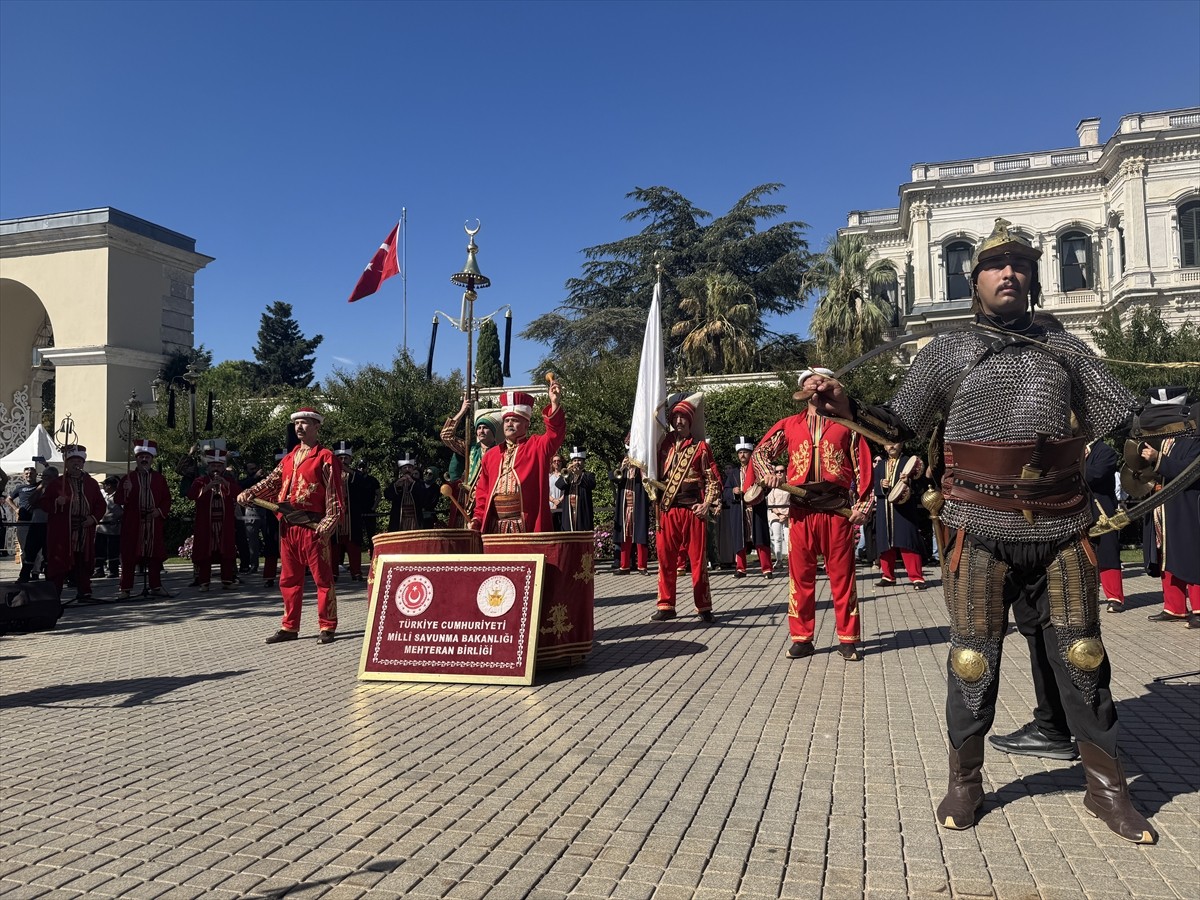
[[647, 430]]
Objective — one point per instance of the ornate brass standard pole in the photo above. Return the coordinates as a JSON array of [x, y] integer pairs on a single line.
[[471, 279]]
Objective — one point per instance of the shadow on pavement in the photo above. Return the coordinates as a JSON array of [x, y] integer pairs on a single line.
[[384, 866], [609, 657], [140, 690], [1153, 784]]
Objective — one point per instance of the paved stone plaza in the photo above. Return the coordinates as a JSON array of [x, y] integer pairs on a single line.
[[160, 749]]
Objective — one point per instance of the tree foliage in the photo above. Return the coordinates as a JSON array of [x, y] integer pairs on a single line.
[[850, 317], [488, 371], [1148, 339], [605, 309], [719, 325], [387, 412], [284, 355]]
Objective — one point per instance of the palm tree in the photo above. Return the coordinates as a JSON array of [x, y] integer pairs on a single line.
[[851, 313], [720, 333]]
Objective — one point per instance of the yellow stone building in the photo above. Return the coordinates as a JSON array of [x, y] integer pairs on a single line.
[[91, 304]]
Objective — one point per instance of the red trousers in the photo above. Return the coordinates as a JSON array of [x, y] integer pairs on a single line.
[[203, 568], [832, 536], [912, 564], [1177, 593], [1114, 588], [129, 569], [681, 534], [300, 549], [643, 553], [79, 565], [764, 559]]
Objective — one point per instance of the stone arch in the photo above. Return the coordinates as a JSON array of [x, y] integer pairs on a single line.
[[109, 296], [25, 329]]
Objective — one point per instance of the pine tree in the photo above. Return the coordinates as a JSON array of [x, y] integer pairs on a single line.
[[284, 355], [488, 371], [605, 308]]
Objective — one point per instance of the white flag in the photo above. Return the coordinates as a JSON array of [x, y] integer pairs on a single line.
[[647, 430]]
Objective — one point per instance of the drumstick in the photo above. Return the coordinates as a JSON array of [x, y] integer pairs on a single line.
[[448, 492], [800, 493]]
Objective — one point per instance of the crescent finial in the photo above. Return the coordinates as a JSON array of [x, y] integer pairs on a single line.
[[471, 231]]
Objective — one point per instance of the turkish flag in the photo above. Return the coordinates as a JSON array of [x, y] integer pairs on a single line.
[[383, 265]]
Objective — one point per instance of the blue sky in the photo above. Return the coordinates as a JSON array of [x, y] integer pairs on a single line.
[[286, 137]]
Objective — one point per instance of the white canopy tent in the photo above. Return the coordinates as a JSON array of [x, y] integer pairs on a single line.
[[39, 443]]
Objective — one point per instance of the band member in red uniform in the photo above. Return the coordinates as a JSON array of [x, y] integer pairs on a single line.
[[745, 524], [692, 485], [144, 496], [833, 466], [73, 504], [214, 494], [361, 492], [511, 494], [898, 515], [309, 480]]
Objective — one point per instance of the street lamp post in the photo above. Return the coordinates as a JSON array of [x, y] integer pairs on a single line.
[[133, 411], [160, 388]]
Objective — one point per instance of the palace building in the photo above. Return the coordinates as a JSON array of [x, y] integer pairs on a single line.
[[1118, 224]]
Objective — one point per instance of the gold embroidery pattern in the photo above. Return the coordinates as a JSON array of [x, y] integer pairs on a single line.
[[801, 457], [587, 568], [304, 489], [559, 623], [832, 459]]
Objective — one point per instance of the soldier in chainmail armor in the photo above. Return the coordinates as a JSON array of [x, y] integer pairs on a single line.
[[1018, 398]]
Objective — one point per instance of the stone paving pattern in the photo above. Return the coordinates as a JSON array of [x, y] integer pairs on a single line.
[[160, 749]]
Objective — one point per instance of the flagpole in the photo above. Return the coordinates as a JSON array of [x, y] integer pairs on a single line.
[[404, 269]]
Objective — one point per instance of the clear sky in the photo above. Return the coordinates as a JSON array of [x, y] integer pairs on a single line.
[[286, 137]]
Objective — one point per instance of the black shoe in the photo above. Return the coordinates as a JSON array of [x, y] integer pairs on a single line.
[[326, 636], [643, 571], [919, 585], [800, 649], [1165, 616], [620, 571], [662, 615], [706, 615], [768, 574], [849, 652], [1194, 620], [1029, 741], [280, 636], [884, 582], [84, 598], [269, 582], [1116, 606], [739, 574]]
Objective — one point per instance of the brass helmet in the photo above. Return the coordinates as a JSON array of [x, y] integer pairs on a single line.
[[1002, 242]]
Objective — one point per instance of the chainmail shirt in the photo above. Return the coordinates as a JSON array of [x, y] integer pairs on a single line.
[[1010, 396]]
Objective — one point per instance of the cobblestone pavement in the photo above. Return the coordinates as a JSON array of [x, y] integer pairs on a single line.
[[160, 749]]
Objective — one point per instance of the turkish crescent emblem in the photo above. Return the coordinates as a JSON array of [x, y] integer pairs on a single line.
[[414, 595]]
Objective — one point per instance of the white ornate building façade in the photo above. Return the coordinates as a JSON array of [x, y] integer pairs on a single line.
[[1118, 225]]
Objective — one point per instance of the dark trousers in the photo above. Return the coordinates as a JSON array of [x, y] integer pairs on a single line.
[[108, 553], [1059, 700], [35, 543]]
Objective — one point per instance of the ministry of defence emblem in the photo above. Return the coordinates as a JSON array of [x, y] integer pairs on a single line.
[[496, 596], [414, 595]]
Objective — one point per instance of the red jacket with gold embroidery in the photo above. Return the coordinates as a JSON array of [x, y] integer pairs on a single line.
[[818, 450], [315, 485]]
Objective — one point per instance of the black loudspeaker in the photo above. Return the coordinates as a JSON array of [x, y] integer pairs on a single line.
[[29, 606]]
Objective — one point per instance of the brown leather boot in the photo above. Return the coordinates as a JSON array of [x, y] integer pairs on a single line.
[[964, 796], [1108, 796]]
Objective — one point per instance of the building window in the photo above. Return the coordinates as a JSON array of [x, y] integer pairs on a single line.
[[1189, 234], [1121, 246], [1074, 252], [887, 295], [958, 271]]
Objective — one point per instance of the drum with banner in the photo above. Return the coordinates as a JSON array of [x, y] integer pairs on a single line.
[[425, 540], [568, 591]]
